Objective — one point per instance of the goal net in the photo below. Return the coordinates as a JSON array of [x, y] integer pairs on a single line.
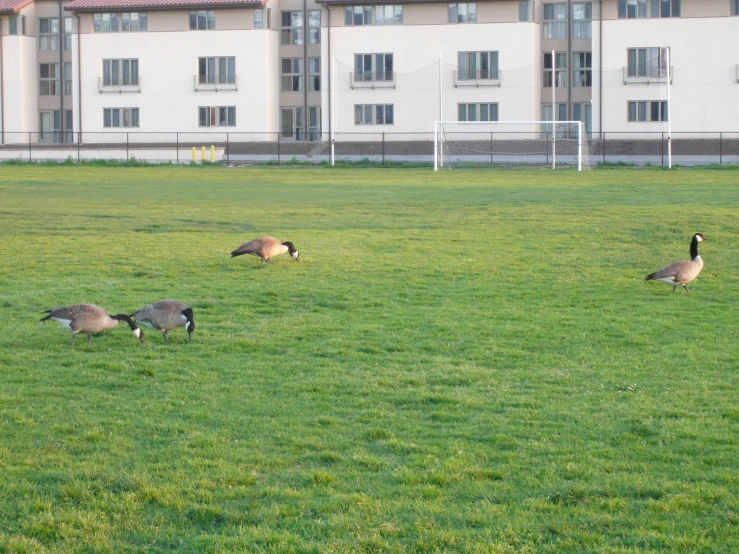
[[509, 144]]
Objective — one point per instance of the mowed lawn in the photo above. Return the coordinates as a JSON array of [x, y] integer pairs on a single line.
[[460, 362]]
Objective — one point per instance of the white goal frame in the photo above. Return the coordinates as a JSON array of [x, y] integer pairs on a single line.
[[439, 137]]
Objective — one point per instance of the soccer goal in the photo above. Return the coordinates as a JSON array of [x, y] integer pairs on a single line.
[[507, 144]]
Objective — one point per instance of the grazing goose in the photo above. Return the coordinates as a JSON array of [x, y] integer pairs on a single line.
[[89, 319], [681, 273], [265, 248], [165, 316]]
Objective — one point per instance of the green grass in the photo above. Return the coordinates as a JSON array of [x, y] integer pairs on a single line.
[[460, 362]]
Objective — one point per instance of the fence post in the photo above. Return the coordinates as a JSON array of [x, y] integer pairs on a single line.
[[79, 140], [383, 148], [662, 144], [126, 147], [721, 148], [604, 148], [177, 140], [227, 161], [278, 148], [30, 155]]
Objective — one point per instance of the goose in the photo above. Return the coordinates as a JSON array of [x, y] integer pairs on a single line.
[[265, 248], [683, 272], [166, 315], [89, 319]]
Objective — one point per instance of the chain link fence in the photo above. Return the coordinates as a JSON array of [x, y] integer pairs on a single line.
[[631, 148]]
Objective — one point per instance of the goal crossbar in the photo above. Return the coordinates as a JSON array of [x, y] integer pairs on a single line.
[[510, 144]]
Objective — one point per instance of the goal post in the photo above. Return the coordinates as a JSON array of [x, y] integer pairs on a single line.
[[510, 144]]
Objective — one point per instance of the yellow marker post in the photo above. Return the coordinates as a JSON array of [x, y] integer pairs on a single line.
[[212, 153], [194, 156], [202, 155]]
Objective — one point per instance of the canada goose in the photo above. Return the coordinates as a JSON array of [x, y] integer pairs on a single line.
[[165, 316], [681, 273], [265, 248], [89, 319]]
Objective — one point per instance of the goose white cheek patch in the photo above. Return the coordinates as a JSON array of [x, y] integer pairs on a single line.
[[137, 333]]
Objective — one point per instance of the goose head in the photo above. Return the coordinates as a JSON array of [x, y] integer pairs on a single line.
[[190, 326], [293, 252], [699, 237]]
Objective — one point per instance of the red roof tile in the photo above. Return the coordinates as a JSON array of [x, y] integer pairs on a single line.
[[99, 5], [12, 6]]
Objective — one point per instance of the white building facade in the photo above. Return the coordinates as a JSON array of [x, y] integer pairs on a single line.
[[301, 69]]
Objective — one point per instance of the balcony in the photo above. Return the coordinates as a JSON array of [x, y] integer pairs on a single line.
[[215, 87], [118, 88], [367, 79], [476, 78], [652, 76]]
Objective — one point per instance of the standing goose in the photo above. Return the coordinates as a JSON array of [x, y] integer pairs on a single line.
[[683, 272], [89, 319], [265, 248], [165, 316]]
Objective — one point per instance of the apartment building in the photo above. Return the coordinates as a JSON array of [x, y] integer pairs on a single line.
[[302, 68]]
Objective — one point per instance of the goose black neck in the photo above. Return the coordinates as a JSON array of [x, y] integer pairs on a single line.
[[127, 319], [290, 246], [694, 248]]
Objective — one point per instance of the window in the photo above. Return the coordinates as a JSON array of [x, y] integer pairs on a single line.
[[647, 110], [68, 78], [216, 70], [647, 62], [13, 25], [292, 75], [734, 7], [119, 22], [50, 126], [259, 18], [49, 79], [314, 123], [463, 13], [523, 10], [67, 33], [560, 77], [477, 65], [373, 67], [555, 21], [582, 69], [292, 28], [373, 114], [584, 112], [314, 26], [202, 20], [636, 9], [377, 15], [120, 73], [217, 116], [477, 112], [292, 123], [48, 34], [582, 14], [546, 115], [314, 79], [120, 117]]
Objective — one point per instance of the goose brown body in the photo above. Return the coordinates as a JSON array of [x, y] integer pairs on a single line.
[[266, 248], [682, 272], [89, 319], [166, 315]]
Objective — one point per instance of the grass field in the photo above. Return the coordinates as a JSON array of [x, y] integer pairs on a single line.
[[460, 362]]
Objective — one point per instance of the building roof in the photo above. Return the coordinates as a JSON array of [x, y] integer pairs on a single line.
[[116, 5], [13, 6]]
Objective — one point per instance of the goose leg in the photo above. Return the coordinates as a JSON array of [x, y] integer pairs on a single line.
[[89, 339], [74, 335], [164, 334], [674, 287], [686, 288]]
